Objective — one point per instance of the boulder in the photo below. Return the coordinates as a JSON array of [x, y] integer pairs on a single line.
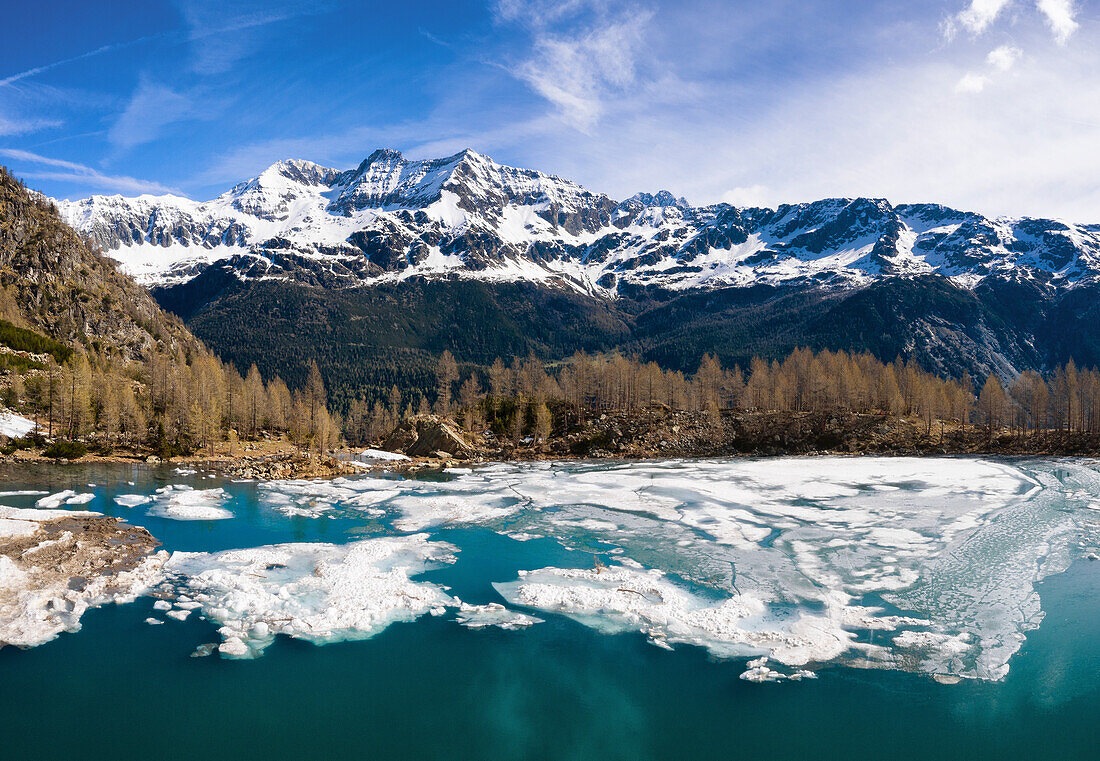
[[439, 436], [402, 437], [428, 436]]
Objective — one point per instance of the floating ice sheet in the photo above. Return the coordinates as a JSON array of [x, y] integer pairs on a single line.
[[799, 561], [824, 544], [955, 544], [67, 497], [184, 503], [493, 614], [315, 592]]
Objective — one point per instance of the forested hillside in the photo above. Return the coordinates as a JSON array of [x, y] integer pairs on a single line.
[[91, 356], [367, 339]]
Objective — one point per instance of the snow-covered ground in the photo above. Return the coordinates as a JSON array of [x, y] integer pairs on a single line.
[[15, 426], [38, 599]]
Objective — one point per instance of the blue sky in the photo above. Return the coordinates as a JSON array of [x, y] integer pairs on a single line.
[[991, 105]]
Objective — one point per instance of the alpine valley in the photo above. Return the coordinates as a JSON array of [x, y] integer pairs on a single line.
[[375, 270]]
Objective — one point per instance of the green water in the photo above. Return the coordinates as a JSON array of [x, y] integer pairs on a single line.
[[123, 689]]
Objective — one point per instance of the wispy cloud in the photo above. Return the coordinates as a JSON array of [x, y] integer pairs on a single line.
[[152, 107], [578, 70], [25, 126], [80, 174], [1061, 18], [577, 74], [221, 31], [13, 78]]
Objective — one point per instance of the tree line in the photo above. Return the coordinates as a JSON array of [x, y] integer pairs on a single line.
[[528, 397], [175, 403], [172, 404]]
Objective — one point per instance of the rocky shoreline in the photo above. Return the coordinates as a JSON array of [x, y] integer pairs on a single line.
[[431, 442], [658, 433]]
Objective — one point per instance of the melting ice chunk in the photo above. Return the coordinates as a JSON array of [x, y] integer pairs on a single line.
[[619, 598], [493, 614], [315, 592], [183, 503]]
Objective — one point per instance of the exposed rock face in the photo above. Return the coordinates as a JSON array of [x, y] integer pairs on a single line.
[[428, 436], [52, 282]]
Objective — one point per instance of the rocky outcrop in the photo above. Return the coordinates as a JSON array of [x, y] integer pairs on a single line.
[[429, 436]]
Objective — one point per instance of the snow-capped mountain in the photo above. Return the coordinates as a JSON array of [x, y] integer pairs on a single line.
[[466, 216]]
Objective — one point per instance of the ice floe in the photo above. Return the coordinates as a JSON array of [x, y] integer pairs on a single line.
[[618, 598], [184, 503], [38, 514], [493, 614], [316, 498], [311, 591], [38, 602], [67, 497]]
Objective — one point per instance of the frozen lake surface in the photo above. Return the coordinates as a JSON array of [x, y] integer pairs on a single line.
[[595, 610]]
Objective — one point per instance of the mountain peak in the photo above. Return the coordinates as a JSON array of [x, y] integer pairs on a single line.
[[383, 155], [662, 198], [300, 171]]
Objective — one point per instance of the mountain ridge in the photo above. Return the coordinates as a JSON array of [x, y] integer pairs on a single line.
[[465, 216]]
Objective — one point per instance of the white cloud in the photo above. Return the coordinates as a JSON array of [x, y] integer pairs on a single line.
[[80, 174], [977, 17], [753, 195], [1004, 57], [577, 74], [971, 83], [585, 53], [152, 107], [1060, 18]]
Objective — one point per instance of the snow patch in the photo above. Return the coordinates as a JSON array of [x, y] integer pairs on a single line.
[[14, 426]]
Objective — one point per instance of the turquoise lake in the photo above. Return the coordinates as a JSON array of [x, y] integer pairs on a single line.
[[636, 599]]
